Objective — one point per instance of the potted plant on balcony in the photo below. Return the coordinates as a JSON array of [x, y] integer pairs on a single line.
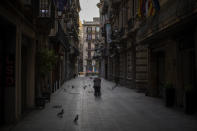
[[189, 99], [169, 94]]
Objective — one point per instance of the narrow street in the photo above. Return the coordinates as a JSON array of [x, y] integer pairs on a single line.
[[144, 51], [119, 109]]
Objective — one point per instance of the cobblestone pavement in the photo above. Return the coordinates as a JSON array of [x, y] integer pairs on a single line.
[[119, 109]]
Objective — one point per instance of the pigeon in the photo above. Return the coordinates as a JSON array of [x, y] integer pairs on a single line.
[[84, 87], [60, 113], [76, 118], [114, 87]]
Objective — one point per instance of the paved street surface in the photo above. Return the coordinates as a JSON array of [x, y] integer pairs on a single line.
[[119, 109]]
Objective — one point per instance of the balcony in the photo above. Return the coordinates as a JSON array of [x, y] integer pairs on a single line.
[[105, 6], [89, 58], [172, 13], [116, 2], [97, 56], [88, 40], [115, 34], [74, 32], [25, 8], [89, 49], [46, 15], [89, 31], [60, 36]]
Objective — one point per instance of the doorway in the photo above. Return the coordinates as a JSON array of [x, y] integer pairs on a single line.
[[2, 78], [157, 73], [160, 73], [187, 64], [23, 79], [7, 71]]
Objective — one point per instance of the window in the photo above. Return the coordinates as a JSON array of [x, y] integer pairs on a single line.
[[89, 29], [97, 36], [93, 37], [90, 66], [44, 8], [89, 37], [97, 29], [93, 29], [89, 55], [89, 45]]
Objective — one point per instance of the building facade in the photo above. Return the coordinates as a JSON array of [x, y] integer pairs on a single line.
[[120, 50], [151, 44], [91, 35], [80, 58], [34, 52]]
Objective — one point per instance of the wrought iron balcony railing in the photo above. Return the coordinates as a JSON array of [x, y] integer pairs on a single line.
[[170, 14]]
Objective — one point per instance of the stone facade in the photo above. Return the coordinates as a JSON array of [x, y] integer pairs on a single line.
[[121, 49], [91, 36], [160, 49], [27, 27]]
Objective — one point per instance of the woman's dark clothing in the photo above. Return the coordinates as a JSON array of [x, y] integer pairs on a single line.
[[97, 86]]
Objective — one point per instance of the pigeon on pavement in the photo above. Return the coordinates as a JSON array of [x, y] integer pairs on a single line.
[[76, 118]]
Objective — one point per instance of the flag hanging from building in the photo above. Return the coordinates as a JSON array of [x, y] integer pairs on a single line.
[[156, 5], [148, 8], [142, 8], [139, 9]]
